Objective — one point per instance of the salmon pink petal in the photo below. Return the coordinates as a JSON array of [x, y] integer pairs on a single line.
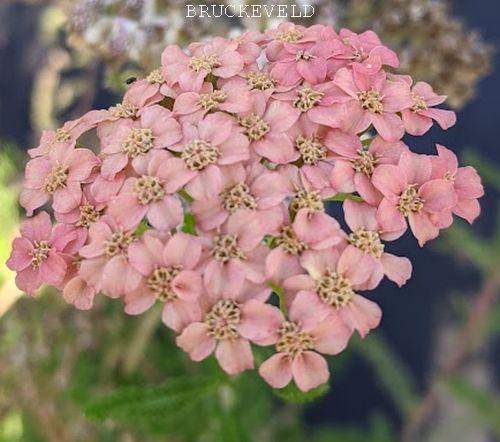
[[187, 285], [342, 177], [390, 218], [310, 370], [166, 214], [227, 279], [280, 265], [234, 356], [362, 314], [445, 118], [178, 314], [355, 265], [78, 293], [141, 302], [260, 322], [277, 370], [388, 179], [207, 184], [331, 335], [422, 227], [389, 126], [182, 249], [32, 199], [415, 123], [468, 209], [438, 195], [20, 257], [195, 341], [307, 309], [468, 183], [317, 262], [396, 268], [358, 215], [37, 228]]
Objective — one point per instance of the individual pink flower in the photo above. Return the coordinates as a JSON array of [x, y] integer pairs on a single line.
[[300, 341], [372, 99], [466, 183], [232, 97], [106, 266], [79, 294], [265, 127], [169, 275], [410, 192], [314, 101], [38, 256], [367, 237], [64, 137], [218, 57], [150, 194], [236, 252], [146, 91], [364, 52], [57, 176], [213, 142], [417, 118], [253, 187], [335, 278], [355, 163], [227, 326], [309, 231], [302, 61], [128, 140]]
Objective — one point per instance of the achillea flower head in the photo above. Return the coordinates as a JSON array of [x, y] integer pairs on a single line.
[[209, 191]]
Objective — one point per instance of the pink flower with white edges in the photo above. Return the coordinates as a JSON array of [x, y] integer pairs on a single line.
[[39, 255], [106, 265], [227, 326], [57, 176], [266, 125], [300, 341], [334, 278], [204, 148], [411, 193], [354, 166], [466, 183], [232, 97], [255, 188], [150, 194], [372, 99], [367, 237], [218, 57], [417, 118], [127, 141], [169, 275], [364, 52]]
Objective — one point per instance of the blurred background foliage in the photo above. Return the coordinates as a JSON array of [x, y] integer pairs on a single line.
[[100, 375]]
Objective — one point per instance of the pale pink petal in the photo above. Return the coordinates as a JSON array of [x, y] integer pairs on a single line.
[[234, 356], [277, 370], [195, 341], [396, 268], [310, 370], [260, 322]]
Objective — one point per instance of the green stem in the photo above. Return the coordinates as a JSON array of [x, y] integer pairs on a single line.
[[345, 196], [280, 294]]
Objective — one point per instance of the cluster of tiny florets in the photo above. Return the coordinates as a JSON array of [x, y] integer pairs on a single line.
[[208, 193]]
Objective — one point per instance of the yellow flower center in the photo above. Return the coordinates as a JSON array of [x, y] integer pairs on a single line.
[[260, 81], [88, 215], [365, 163], [160, 282], [211, 101], [368, 241], [307, 99], [118, 244], [307, 199], [334, 289], [138, 142], [255, 127], [288, 240], [225, 248], [409, 202], [418, 103], [311, 150], [40, 253], [198, 154], [292, 341], [238, 197], [223, 319], [371, 101], [56, 179], [205, 62]]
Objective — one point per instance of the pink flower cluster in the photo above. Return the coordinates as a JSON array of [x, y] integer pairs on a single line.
[[248, 137]]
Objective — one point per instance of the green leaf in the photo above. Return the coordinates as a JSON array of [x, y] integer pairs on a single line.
[[280, 293], [185, 196], [189, 224], [292, 394], [345, 196], [141, 229]]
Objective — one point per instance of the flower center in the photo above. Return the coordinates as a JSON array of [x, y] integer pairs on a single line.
[[292, 341], [40, 253], [368, 241], [148, 189], [358, 55], [305, 199], [88, 215], [205, 62], [160, 283], [62, 136], [55, 179], [225, 248], [124, 110], [198, 154], [307, 99], [365, 163], [212, 101], [289, 241], [371, 101], [259, 80], [334, 289], [155, 77], [238, 197], [255, 127], [291, 36], [138, 142], [418, 103], [303, 55], [311, 150], [117, 244], [222, 320], [409, 202]]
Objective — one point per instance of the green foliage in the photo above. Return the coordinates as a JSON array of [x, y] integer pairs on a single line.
[[345, 196], [484, 404], [293, 395], [189, 224]]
